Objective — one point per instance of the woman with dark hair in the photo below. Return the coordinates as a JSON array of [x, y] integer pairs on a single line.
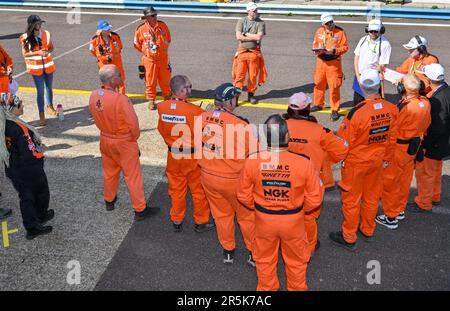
[[37, 47], [308, 137]]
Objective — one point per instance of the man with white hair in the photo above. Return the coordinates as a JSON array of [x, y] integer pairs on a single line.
[[370, 130], [372, 52], [250, 31], [418, 58], [330, 43], [436, 143], [413, 120]]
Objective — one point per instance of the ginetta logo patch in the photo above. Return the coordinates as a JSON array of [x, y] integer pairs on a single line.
[[173, 119]]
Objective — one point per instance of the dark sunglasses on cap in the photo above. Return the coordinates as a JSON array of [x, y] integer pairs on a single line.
[[373, 31], [329, 23]]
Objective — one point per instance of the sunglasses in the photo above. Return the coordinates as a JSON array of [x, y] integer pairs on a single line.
[[188, 86], [329, 23], [373, 31]]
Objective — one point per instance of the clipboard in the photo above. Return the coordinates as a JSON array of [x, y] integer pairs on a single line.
[[392, 75], [318, 49]]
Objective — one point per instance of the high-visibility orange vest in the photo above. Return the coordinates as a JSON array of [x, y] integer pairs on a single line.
[[37, 64]]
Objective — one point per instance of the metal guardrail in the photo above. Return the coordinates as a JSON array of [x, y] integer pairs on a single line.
[[396, 12]]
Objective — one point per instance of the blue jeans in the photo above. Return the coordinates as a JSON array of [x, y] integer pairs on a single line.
[[41, 81]]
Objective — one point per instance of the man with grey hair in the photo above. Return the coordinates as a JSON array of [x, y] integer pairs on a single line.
[[118, 123], [176, 126], [370, 130], [436, 143]]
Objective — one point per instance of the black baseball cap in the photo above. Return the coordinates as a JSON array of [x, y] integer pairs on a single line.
[[149, 11], [32, 19]]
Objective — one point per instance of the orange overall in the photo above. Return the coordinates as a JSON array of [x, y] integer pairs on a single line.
[[370, 129], [329, 67], [251, 62], [154, 43], [6, 63], [315, 141], [117, 121], [413, 120], [227, 141], [411, 65], [109, 53], [176, 126], [280, 186]]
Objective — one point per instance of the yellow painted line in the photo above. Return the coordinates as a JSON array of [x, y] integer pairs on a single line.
[[197, 101], [6, 233]]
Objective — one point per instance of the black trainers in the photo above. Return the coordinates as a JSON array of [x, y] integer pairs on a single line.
[[37, 231], [200, 228], [110, 205], [228, 257], [390, 223], [251, 262], [338, 239], [5, 212], [316, 108], [366, 238], [49, 216], [251, 99], [335, 115], [177, 226], [414, 208], [436, 203], [148, 212]]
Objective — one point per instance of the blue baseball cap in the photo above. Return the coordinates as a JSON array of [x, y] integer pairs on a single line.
[[226, 91], [103, 25]]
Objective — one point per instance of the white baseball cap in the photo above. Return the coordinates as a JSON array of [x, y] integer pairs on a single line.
[[299, 101], [369, 78], [414, 43], [375, 24], [251, 6], [326, 17], [434, 72]]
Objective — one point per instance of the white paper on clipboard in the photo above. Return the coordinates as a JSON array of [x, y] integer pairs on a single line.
[[392, 75]]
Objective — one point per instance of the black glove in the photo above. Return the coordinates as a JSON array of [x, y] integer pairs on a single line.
[[141, 72], [101, 50]]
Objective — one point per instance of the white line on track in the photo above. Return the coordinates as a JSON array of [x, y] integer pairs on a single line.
[[291, 20], [77, 48]]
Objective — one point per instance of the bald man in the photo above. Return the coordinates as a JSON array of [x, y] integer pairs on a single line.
[[118, 123]]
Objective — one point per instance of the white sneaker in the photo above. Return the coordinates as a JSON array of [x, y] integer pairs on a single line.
[[400, 216], [388, 223]]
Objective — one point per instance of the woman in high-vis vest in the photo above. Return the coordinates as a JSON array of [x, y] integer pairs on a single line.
[[37, 47]]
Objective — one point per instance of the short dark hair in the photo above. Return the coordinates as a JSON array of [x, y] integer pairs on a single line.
[[276, 130]]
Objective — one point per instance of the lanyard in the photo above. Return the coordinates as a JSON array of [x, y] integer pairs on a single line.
[[414, 67]]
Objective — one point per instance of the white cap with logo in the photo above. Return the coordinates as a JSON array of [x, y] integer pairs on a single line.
[[369, 78], [251, 6], [375, 24], [414, 43], [326, 17], [434, 72]]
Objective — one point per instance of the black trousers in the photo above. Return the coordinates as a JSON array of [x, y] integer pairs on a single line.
[[32, 185]]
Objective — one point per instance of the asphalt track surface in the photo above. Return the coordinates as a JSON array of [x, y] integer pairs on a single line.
[[151, 256]]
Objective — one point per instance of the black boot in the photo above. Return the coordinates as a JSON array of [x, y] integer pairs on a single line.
[[337, 238], [148, 212], [49, 216], [251, 99], [110, 205], [37, 231]]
